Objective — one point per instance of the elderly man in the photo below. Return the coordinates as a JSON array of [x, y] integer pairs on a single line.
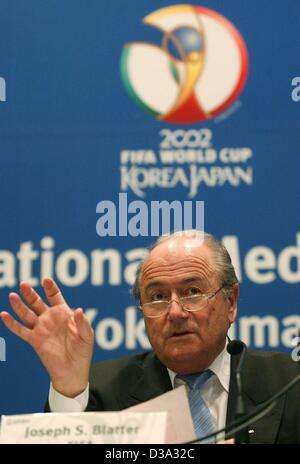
[[187, 290]]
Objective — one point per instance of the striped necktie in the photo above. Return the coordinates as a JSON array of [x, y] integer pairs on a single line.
[[202, 418]]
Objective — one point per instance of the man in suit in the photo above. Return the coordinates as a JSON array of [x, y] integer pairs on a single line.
[[187, 290]]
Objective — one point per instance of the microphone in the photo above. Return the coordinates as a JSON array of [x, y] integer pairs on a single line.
[[234, 348]]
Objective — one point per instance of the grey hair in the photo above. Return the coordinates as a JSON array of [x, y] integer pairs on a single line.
[[223, 265]]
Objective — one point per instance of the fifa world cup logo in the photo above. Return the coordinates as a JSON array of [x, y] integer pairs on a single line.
[[198, 69]]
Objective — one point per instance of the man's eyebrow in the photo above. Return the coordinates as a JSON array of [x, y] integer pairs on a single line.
[[153, 284], [191, 280], [156, 283]]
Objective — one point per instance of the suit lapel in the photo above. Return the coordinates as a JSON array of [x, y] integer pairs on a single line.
[[150, 379], [256, 391]]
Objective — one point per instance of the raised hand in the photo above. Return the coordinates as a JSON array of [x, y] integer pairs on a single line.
[[63, 339]]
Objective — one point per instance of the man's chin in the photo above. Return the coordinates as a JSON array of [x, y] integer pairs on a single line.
[[185, 358], [183, 354]]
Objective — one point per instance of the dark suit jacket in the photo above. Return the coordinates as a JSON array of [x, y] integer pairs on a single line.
[[125, 382]]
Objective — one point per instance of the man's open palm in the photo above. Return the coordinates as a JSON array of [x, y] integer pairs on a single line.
[[63, 339]]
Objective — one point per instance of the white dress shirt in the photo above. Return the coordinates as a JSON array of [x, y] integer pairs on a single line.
[[214, 392], [61, 403]]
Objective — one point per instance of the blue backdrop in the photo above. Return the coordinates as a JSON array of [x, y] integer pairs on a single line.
[[68, 112]]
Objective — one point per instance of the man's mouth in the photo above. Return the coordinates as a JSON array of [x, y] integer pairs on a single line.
[[181, 333]]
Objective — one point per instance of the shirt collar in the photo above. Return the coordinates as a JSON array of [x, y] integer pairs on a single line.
[[220, 367]]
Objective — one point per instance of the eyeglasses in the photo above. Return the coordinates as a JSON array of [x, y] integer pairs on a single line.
[[190, 303]]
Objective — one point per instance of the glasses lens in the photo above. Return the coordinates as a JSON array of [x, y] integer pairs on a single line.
[[193, 303], [155, 309]]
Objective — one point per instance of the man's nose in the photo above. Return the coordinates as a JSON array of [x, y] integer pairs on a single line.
[[176, 310]]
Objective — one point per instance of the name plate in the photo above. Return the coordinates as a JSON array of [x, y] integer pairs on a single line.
[[85, 428]]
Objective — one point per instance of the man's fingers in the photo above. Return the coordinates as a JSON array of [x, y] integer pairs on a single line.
[[32, 298], [53, 293], [24, 313], [15, 327], [84, 328]]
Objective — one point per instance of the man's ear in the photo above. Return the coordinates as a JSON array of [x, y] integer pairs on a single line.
[[232, 303]]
